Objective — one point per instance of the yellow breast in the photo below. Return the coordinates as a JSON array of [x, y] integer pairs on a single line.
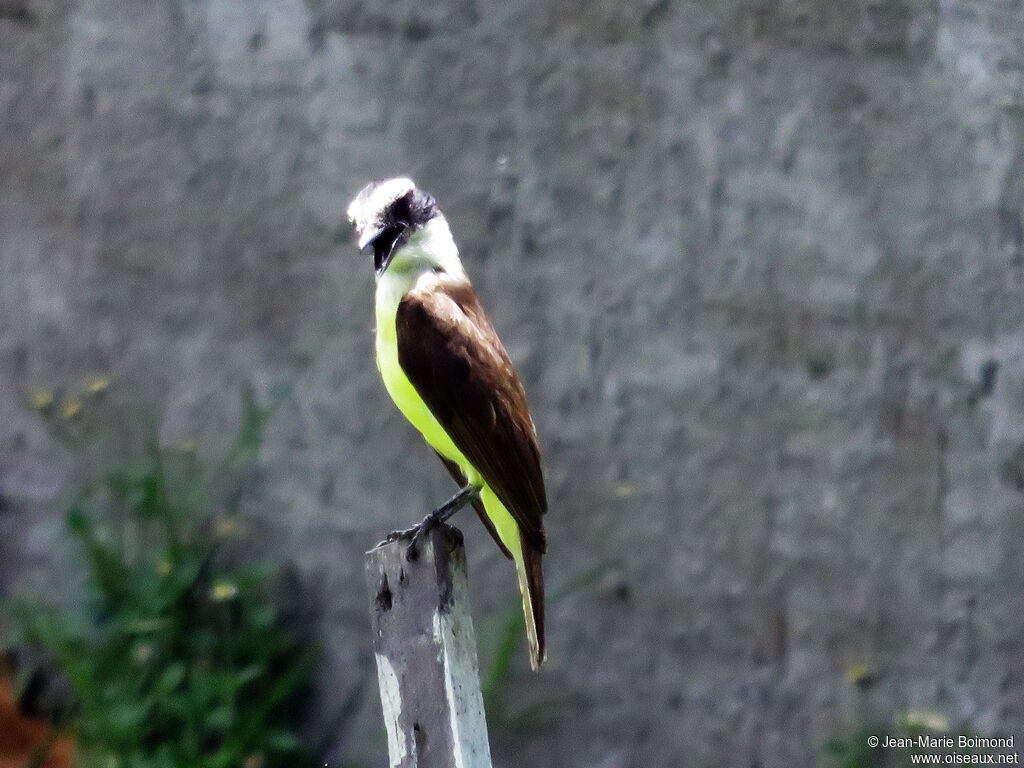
[[405, 395]]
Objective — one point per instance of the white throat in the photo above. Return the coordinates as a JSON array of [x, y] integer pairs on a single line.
[[429, 254]]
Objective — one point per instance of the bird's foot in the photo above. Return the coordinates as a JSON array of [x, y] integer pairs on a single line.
[[415, 534], [429, 522], [394, 536], [438, 517]]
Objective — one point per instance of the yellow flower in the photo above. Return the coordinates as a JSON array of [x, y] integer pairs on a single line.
[[96, 384], [859, 673], [227, 527], [624, 490], [925, 720], [40, 399], [71, 407], [223, 591], [185, 445]]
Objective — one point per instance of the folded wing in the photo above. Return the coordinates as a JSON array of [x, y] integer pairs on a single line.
[[458, 365]]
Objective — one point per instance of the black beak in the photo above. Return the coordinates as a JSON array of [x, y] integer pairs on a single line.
[[385, 244]]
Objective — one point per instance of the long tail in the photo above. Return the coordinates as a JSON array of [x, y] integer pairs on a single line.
[[528, 569], [531, 585]]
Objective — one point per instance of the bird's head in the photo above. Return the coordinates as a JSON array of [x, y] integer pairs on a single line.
[[386, 214]]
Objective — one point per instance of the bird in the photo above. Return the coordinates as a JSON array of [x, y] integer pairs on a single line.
[[448, 373]]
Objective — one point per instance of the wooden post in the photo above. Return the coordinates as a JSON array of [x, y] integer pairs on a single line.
[[426, 654]]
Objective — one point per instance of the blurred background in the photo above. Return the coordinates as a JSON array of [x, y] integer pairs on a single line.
[[760, 264]]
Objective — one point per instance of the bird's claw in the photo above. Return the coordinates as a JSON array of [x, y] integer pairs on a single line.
[[436, 518], [415, 533], [418, 532], [397, 536]]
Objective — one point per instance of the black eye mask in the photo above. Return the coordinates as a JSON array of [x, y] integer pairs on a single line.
[[385, 243]]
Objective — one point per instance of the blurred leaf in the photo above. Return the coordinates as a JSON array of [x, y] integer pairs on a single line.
[[126, 717], [282, 741], [171, 678], [249, 674], [501, 663], [107, 566], [219, 719], [263, 616]]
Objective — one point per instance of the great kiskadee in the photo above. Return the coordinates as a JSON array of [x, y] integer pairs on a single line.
[[449, 374]]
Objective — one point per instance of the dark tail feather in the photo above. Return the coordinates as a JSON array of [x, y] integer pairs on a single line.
[[531, 583]]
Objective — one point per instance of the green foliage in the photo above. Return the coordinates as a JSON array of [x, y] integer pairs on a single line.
[[177, 657], [853, 751]]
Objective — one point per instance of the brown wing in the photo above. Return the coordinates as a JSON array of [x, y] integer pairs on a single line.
[[458, 365]]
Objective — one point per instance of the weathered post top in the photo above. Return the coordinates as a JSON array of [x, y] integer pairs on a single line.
[[426, 654]]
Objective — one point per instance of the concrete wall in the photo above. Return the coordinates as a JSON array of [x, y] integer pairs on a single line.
[[759, 262]]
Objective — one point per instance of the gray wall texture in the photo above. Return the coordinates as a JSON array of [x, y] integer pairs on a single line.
[[760, 264]]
